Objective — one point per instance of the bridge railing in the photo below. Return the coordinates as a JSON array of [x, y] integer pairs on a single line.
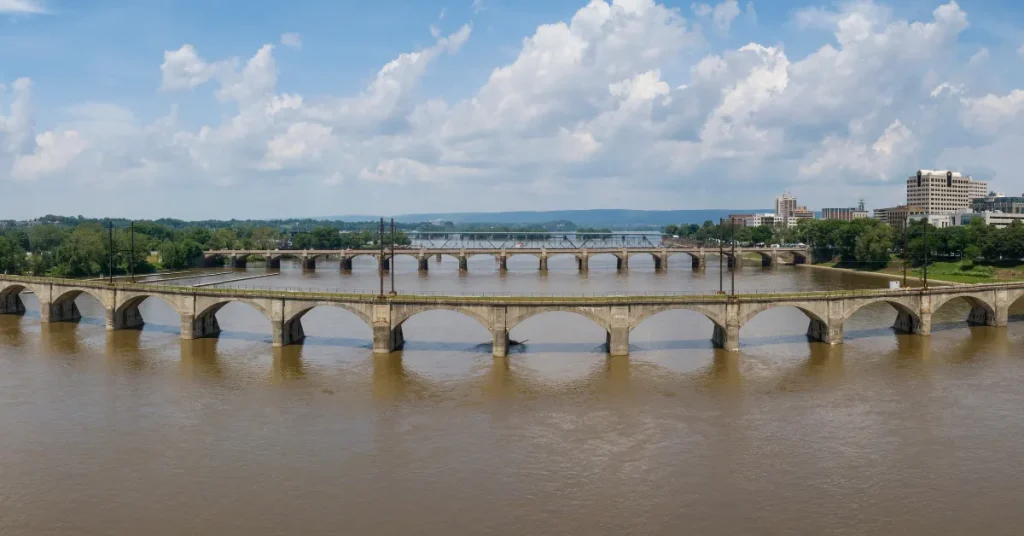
[[372, 294]]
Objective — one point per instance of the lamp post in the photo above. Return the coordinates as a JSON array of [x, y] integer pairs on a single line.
[[926, 253], [110, 247], [721, 260], [391, 261], [905, 255], [132, 254], [380, 262], [735, 265]]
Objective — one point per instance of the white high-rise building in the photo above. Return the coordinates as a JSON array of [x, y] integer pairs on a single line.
[[785, 205], [943, 191]]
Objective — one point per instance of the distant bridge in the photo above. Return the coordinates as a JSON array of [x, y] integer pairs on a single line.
[[617, 315], [239, 257]]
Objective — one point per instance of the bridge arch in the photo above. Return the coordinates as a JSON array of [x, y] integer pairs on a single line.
[[295, 313], [126, 312], [9, 288], [73, 294], [850, 307], [211, 308], [402, 313], [517, 315], [983, 311], [10, 297], [714, 313], [815, 311]]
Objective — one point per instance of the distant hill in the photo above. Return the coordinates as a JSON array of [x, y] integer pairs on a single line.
[[596, 217]]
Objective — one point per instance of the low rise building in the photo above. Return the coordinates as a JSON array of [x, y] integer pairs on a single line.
[[995, 219], [994, 202], [897, 216], [845, 214]]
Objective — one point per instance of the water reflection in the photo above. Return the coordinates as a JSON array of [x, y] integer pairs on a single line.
[[12, 332], [60, 338], [288, 364], [199, 359]]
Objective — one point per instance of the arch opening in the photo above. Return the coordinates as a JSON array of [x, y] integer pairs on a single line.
[[132, 313], [433, 329], [243, 322], [76, 306], [559, 331], [978, 312], [782, 324], [870, 318], [327, 324], [673, 328], [11, 300]]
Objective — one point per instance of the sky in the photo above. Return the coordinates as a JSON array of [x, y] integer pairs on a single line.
[[271, 109]]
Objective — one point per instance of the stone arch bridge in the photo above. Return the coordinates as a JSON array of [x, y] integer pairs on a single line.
[[697, 256], [827, 312]]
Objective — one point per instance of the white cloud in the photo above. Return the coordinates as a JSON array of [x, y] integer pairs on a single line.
[[624, 104], [478, 6], [30, 7], [54, 152], [291, 40], [184, 69], [988, 113], [721, 14], [1020, 51], [979, 58]]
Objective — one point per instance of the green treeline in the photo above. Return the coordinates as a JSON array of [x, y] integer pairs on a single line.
[[869, 241], [78, 247]]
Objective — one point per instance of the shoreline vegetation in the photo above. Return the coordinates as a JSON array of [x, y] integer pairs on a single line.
[[943, 272]]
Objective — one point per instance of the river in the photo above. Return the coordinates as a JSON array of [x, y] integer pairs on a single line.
[[138, 432]]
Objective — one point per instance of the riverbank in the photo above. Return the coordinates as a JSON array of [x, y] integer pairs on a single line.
[[892, 276]]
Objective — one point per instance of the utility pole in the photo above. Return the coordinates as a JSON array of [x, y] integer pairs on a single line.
[[735, 265], [110, 244], [905, 225], [380, 262], [391, 261], [926, 253], [133, 252], [721, 259]]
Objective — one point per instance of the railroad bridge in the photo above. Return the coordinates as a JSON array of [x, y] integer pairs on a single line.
[[769, 256], [827, 312]]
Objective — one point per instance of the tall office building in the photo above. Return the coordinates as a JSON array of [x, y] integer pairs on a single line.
[[785, 205], [943, 191]]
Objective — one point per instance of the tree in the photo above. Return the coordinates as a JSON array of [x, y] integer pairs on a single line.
[[12, 257], [671, 230], [45, 237], [761, 234], [873, 245], [183, 254], [82, 253]]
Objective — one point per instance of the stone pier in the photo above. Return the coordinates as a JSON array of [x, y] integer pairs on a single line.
[[424, 262], [583, 262]]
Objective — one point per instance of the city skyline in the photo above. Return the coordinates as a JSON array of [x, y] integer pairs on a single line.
[[249, 110]]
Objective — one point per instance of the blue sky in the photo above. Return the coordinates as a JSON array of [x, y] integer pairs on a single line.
[[206, 109]]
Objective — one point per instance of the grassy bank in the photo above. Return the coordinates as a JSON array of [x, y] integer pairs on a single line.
[[952, 271]]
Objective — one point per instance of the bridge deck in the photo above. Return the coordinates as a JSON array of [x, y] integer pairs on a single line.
[[492, 298], [491, 251]]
